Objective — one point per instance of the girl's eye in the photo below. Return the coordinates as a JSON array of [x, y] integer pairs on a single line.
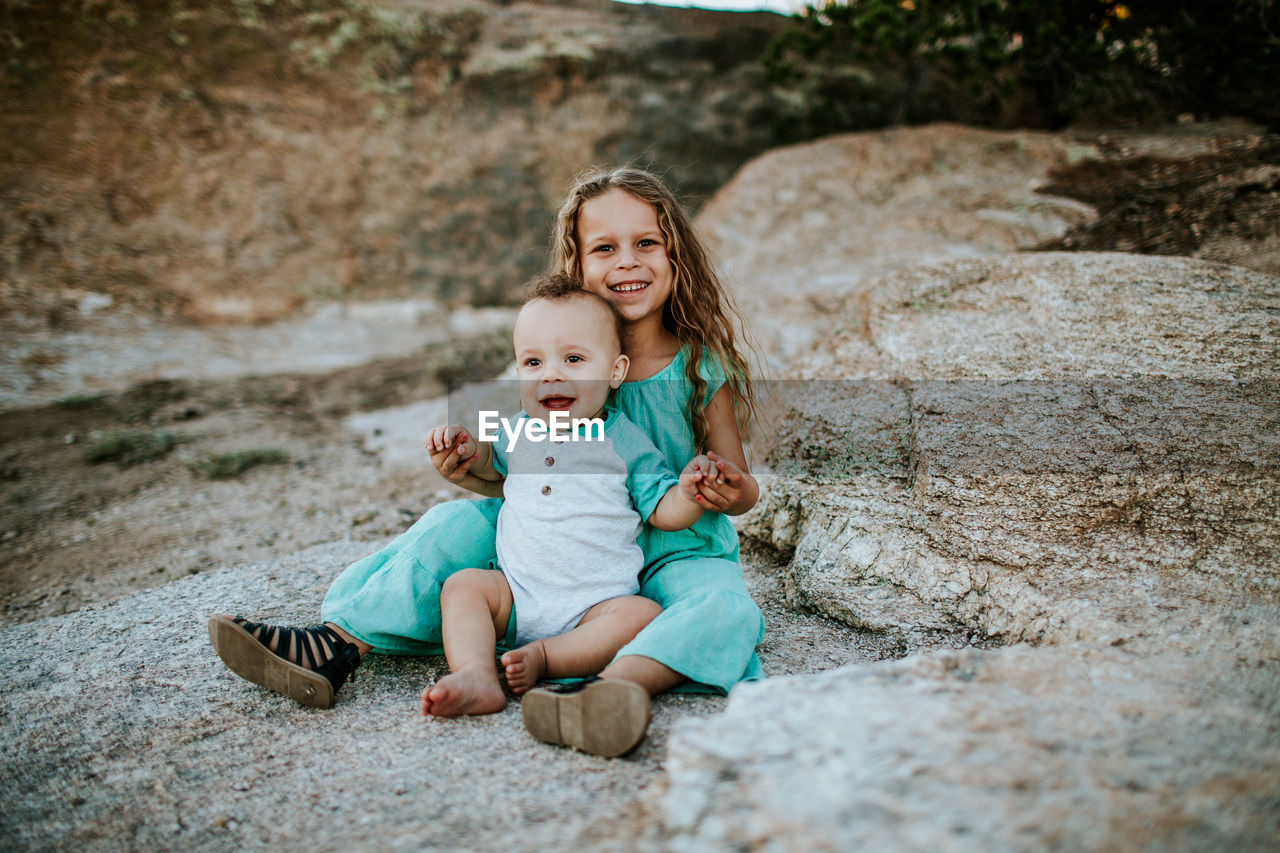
[[603, 247], [648, 241]]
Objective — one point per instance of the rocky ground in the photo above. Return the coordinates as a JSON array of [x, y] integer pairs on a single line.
[[227, 765], [339, 465], [79, 528]]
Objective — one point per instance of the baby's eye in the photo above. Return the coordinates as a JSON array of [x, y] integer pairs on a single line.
[[573, 359], [532, 362]]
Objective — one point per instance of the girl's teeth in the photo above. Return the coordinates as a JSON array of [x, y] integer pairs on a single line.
[[628, 288]]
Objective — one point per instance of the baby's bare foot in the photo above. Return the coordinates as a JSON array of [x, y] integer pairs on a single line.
[[463, 692], [525, 666]]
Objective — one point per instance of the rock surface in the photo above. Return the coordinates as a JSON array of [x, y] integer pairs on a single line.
[[1064, 748], [842, 211], [828, 217], [132, 735], [1044, 447]]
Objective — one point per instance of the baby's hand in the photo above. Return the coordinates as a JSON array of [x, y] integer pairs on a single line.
[[719, 482], [691, 477], [452, 451]]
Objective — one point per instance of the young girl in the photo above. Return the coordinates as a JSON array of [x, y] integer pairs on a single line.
[[626, 237]]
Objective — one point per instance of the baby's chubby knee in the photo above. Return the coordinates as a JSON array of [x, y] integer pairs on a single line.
[[641, 611], [468, 583], [631, 612]]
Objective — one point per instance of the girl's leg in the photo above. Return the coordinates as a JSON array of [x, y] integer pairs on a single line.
[[586, 649], [390, 600], [654, 677], [475, 606], [707, 631], [362, 647]]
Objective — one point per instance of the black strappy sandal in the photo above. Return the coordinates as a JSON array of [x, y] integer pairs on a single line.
[[306, 664]]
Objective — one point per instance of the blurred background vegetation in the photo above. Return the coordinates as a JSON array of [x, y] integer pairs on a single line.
[[864, 64]]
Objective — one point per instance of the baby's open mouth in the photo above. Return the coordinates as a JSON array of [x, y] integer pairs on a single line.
[[556, 403]]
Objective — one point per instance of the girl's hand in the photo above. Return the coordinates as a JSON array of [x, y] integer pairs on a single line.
[[452, 451], [720, 483]]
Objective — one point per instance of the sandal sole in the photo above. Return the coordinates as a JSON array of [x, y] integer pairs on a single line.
[[254, 662], [606, 718]]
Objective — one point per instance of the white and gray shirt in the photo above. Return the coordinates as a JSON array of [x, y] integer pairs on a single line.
[[568, 525]]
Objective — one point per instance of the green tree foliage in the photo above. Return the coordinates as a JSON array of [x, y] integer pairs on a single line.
[[1220, 57], [869, 63]]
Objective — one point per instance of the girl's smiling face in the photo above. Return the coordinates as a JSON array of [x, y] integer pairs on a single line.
[[624, 255]]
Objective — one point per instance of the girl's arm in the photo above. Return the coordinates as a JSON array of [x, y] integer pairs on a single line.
[[729, 487]]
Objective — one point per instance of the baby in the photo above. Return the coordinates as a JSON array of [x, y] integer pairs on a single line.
[[566, 542]]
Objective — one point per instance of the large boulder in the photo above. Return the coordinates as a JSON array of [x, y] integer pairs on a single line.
[[1042, 447], [829, 216], [1018, 749], [1045, 447]]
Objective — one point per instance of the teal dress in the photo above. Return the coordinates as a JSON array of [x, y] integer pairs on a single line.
[[709, 625]]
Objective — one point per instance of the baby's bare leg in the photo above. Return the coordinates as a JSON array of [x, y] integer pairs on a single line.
[[475, 605], [585, 650]]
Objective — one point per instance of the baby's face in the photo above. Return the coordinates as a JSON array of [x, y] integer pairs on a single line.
[[567, 357]]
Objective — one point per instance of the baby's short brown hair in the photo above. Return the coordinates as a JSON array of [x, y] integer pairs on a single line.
[[561, 287]]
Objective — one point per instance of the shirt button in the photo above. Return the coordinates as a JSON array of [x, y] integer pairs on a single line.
[[550, 460], [546, 490]]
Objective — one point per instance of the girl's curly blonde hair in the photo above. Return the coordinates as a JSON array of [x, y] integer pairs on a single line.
[[699, 311]]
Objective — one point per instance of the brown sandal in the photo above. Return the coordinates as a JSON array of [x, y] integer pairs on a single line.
[[306, 664], [599, 716]]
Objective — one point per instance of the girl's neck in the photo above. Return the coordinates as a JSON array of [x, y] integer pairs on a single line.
[[650, 347]]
